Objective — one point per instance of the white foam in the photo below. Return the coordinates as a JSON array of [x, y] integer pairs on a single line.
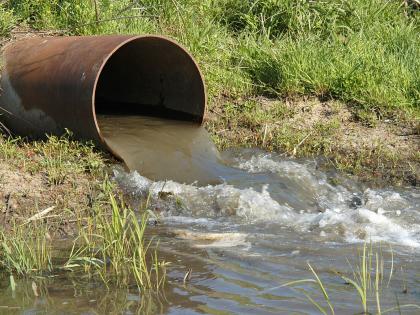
[[380, 215], [211, 201]]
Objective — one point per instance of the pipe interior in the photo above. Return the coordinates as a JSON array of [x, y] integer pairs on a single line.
[[151, 76]]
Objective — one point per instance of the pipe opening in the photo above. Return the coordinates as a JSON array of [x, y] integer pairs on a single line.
[[151, 76], [149, 104]]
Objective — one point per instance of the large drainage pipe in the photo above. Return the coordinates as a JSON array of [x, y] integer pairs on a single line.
[[50, 84]]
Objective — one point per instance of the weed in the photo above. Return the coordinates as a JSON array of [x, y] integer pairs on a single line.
[[7, 21], [25, 249], [367, 280], [10, 149], [113, 247], [61, 157]]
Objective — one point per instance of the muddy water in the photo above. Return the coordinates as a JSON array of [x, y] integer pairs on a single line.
[[245, 236], [164, 149], [258, 229]]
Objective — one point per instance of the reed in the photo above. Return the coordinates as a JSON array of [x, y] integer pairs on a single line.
[[113, 247], [367, 279], [26, 250], [110, 245]]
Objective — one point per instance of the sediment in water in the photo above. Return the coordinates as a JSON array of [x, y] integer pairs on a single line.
[[164, 149]]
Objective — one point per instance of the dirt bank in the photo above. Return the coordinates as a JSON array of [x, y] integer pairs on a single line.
[[382, 151], [57, 180]]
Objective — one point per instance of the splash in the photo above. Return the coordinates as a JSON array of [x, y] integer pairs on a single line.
[[277, 195]]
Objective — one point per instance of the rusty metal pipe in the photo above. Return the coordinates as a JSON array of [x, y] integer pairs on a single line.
[[50, 84]]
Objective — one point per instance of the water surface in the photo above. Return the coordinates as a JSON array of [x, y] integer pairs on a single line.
[[163, 149], [249, 224]]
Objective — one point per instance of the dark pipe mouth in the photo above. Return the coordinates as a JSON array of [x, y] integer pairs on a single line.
[[149, 75]]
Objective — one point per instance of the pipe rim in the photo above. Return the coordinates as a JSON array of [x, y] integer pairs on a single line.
[[109, 56]]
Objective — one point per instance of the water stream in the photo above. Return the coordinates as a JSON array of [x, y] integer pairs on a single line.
[[244, 222], [164, 149]]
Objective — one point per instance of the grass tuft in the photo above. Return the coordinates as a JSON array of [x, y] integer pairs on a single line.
[[26, 250], [118, 249], [110, 245], [7, 21], [367, 279]]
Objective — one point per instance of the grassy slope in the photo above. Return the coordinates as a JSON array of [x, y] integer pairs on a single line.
[[361, 53]]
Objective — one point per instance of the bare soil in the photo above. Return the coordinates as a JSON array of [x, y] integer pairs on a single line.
[[24, 194], [382, 151]]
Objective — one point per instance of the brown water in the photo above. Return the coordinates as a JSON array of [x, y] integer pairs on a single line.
[[163, 149], [244, 236]]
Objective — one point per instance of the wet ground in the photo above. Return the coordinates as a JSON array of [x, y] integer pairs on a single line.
[[236, 241]]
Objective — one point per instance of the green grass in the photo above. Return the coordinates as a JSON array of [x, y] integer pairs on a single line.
[[110, 245], [7, 21], [25, 250], [367, 279], [363, 52], [113, 246], [58, 158]]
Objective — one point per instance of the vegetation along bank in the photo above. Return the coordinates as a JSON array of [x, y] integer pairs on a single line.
[[333, 79], [338, 79]]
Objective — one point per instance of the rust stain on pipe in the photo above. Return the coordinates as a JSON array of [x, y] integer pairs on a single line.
[[50, 84]]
